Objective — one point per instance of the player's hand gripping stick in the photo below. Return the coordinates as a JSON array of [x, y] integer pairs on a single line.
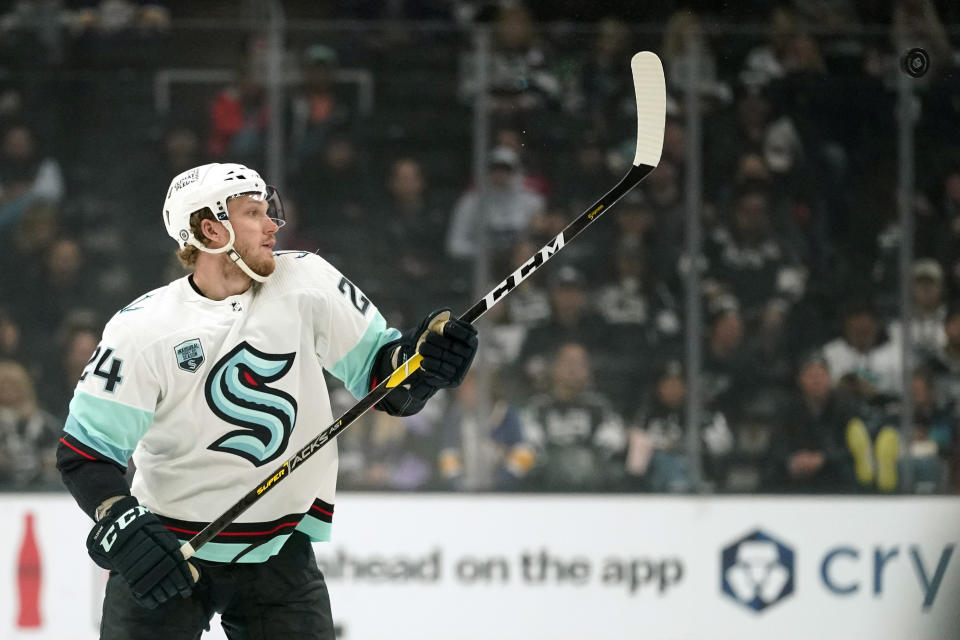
[[444, 352], [131, 540]]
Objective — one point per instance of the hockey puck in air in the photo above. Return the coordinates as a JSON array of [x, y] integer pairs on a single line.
[[915, 63]]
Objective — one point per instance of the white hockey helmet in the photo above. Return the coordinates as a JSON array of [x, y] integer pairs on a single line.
[[211, 186]]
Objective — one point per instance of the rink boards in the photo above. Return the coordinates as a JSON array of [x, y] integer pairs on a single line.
[[493, 566]]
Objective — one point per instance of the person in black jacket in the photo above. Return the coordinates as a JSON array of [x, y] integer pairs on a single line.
[[823, 445]]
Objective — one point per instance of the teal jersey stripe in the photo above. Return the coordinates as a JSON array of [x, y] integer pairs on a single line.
[[353, 369], [88, 437], [116, 427], [227, 551], [318, 530]]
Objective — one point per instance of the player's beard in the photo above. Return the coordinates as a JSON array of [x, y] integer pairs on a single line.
[[258, 258]]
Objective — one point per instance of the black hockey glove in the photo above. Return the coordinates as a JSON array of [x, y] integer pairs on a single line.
[[447, 355], [131, 541], [446, 359]]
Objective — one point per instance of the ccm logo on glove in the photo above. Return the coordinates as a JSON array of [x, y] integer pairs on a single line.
[[126, 518]]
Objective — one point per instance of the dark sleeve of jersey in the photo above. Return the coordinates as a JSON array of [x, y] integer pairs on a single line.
[[90, 477]]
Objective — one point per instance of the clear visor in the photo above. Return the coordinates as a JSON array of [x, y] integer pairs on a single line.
[[274, 204]]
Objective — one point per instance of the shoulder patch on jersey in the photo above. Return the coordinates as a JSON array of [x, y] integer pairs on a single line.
[[189, 355]]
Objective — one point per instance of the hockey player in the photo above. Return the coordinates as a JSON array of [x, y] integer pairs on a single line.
[[205, 381]]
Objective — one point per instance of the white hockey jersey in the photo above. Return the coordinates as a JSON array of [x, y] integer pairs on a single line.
[[210, 396]]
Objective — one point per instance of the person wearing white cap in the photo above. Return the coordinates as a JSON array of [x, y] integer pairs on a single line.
[[508, 207], [929, 309]]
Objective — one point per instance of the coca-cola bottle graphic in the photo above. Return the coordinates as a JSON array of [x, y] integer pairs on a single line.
[[28, 578]]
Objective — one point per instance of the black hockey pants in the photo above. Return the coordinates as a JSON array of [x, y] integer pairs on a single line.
[[284, 597]]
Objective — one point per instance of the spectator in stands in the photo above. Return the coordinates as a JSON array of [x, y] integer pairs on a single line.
[[508, 208], [642, 314], [181, 149], [62, 281], [810, 136], [605, 84], [822, 444], [730, 133], [317, 110], [933, 448], [945, 361], [504, 456], [533, 176], [635, 297], [337, 216], [760, 125], [748, 260], [70, 353], [28, 434], [22, 255], [238, 121], [664, 196], [577, 439], [11, 338], [863, 358], [767, 62], [641, 223], [26, 177], [33, 33], [929, 309], [411, 226], [683, 28], [730, 375], [572, 319], [658, 454], [520, 79]]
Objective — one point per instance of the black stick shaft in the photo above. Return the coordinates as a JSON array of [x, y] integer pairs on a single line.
[[572, 230]]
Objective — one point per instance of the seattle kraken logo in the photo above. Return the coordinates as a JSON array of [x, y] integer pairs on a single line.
[[237, 391]]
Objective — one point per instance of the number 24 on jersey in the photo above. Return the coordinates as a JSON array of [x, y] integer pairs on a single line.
[[101, 356]]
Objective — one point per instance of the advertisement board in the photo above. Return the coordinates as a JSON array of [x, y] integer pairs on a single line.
[[513, 566]]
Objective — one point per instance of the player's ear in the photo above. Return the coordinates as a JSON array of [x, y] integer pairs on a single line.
[[213, 231]]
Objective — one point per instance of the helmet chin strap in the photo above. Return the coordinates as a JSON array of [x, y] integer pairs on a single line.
[[230, 251], [237, 260]]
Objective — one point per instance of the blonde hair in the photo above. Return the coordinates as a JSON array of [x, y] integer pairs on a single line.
[[14, 377], [188, 255]]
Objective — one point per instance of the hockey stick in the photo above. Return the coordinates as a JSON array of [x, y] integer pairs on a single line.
[[651, 110]]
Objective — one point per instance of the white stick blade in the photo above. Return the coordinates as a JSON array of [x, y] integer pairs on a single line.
[[651, 92]]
